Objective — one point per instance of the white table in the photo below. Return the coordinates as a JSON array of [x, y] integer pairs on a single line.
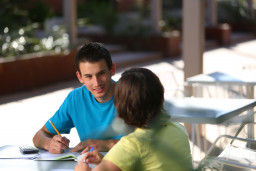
[[208, 111], [31, 165], [241, 78]]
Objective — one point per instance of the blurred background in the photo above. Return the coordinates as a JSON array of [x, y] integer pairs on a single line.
[[54, 29], [39, 40]]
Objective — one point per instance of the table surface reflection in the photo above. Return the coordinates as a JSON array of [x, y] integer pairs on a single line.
[[31, 165], [244, 77], [206, 110]]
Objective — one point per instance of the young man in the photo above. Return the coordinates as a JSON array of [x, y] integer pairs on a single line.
[[89, 108], [157, 143]]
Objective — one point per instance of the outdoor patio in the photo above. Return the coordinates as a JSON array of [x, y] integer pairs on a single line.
[[22, 114]]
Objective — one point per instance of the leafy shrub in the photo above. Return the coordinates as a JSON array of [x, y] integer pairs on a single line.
[[24, 40], [12, 16], [19, 28], [40, 12], [234, 11], [103, 13]]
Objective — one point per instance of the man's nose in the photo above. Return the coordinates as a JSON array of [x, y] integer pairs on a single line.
[[96, 80]]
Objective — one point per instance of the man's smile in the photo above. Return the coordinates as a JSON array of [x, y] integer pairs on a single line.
[[99, 89]]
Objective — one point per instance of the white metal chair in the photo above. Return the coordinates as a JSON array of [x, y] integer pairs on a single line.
[[238, 153], [218, 91]]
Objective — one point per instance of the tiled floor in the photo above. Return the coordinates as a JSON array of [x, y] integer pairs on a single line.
[[22, 114]]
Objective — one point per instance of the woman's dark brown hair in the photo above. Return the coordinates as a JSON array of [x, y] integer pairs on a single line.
[[139, 97]]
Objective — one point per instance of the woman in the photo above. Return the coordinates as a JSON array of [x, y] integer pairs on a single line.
[[157, 143]]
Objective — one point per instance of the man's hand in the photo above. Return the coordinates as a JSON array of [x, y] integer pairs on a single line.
[[100, 145], [58, 144], [53, 143]]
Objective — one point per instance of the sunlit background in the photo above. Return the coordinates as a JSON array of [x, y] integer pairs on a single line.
[[31, 27]]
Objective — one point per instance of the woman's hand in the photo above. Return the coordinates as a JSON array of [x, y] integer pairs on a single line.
[[93, 157], [81, 166]]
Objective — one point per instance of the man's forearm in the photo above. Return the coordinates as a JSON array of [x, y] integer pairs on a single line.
[[42, 140], [111, 143], [100, 145]]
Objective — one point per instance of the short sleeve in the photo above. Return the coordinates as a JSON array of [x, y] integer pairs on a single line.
[[61, 119], [125, 154]]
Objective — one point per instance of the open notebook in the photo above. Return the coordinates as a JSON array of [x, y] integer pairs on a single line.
[[45, 155], [13, 152]]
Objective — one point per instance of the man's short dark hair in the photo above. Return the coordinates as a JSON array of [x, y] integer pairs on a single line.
[[139, 97], [92, 52]]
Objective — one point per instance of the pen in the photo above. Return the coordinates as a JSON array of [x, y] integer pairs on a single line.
[[88, 157], [54, 128]]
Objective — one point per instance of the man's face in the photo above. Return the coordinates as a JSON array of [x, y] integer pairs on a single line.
[[97, 78]]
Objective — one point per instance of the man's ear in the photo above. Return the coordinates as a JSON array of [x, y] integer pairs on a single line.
[[79, 77], [113, 69]]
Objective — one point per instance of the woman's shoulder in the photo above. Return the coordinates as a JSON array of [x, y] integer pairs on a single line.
[[178, 126]]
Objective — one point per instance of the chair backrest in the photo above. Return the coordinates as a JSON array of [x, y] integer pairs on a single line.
[[238, 152]]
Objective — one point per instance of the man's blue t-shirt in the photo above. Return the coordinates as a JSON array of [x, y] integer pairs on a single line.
[[93, 120]]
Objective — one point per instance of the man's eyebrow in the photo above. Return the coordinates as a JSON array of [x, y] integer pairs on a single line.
[[101, 71], [104, 70], [87, 74]]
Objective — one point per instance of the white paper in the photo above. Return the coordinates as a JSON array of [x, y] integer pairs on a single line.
[[13, 152]]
